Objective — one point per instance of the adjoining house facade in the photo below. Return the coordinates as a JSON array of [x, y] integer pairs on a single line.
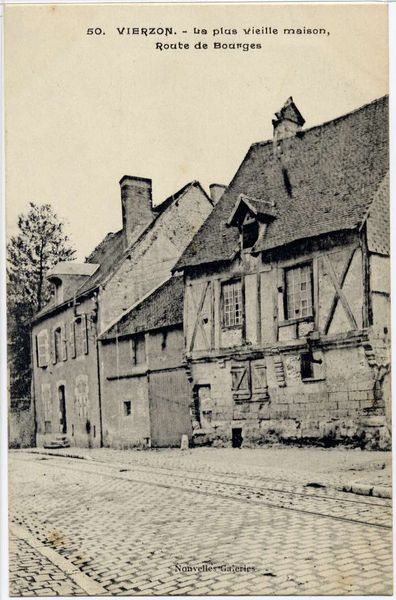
[[124, 268], [145, 389], [286, 315]]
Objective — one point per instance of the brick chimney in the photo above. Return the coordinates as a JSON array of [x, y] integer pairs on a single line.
[[288, 121], [216, 192], [136, 203]]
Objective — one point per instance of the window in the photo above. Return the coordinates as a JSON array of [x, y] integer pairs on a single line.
[[58, 346], [232, 304], [250, 231], [127, 408], [307, 371], [298, 298], [46, 400], [80, 335], [42, 349], [81, 396], [139, 349]]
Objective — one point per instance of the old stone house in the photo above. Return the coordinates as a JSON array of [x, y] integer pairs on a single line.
[[286, 318], [145, 390], [123, 269]]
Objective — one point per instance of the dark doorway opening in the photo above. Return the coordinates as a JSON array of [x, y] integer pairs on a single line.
[[237, 438], [62, 409]]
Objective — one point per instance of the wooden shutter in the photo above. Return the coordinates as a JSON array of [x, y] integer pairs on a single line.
[[84, 332], [72, 339], [64, 342], [259, 379], [37, 351], [52, 346], [42, 349], [241, 384], [46, 401]]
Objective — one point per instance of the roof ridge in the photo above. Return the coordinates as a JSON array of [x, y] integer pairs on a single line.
[[343, 117]]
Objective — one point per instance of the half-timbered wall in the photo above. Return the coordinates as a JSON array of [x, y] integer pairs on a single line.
[[277, 377], [337, 290]]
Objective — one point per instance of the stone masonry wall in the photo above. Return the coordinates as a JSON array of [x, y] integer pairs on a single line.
[[341, 408], [82, 413]]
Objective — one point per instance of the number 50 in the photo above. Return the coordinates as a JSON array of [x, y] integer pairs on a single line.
[[96, 31]]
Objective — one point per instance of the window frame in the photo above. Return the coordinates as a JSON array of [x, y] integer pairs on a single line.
[[80, 335], [58, 357], [246, 225], [294, 319], [223, 284], [127, 408], [134, 343]]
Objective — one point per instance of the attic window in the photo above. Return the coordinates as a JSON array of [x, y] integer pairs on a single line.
[[250, 232]]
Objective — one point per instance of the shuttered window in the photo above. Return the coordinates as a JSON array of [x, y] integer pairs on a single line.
[[81, 396], [232, 304], [58, 345], [42, 348], [81, 335], [298, 293]]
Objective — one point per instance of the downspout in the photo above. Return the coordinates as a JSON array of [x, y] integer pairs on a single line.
[[32, 387], [98, 373]]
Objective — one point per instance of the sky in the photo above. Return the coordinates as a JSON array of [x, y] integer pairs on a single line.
[[84, 110]]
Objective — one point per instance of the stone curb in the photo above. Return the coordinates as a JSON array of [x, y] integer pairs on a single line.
[[90, 586], [361, 489], [367, 490]]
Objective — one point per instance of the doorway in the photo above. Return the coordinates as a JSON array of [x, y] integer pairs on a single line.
[[237, 438], [62, 409]]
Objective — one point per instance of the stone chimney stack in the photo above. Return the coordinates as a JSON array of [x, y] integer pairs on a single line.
[[216, 192], [288, 121], [136, 203]]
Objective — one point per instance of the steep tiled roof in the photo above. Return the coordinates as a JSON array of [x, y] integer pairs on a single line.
[[321, 180], [163, 308], [107, 253], [111, 249]]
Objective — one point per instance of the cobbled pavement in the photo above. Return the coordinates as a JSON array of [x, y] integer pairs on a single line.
[[152, 530]]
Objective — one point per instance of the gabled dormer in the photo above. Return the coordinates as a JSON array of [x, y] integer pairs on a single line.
[[67, 277], [251, 216]]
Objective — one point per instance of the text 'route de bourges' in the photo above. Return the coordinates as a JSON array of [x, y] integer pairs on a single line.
[[223, 36]]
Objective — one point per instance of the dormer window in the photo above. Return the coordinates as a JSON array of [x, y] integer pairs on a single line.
[[250, 232], [252, 216]]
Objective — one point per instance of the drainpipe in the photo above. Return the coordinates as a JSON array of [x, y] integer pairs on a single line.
[[98, 372], [32, 387], [99, 392]]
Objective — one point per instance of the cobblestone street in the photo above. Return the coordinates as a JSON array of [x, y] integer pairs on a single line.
[[151, 524]]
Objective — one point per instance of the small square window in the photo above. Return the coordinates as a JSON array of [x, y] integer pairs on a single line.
[[127, 408]]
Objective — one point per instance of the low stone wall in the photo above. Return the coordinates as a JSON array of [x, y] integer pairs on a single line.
[[21, 429]]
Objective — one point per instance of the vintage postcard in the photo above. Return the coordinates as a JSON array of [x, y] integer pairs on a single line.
[[198, 299]]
